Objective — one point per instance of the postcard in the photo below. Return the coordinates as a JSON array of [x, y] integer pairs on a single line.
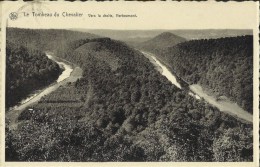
[[129, 83]]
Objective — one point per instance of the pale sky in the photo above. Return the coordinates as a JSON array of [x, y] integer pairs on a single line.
[[150, 15]]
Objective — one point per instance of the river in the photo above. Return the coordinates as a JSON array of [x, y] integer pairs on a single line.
[[69, 74], [67, 69], [197, 91]]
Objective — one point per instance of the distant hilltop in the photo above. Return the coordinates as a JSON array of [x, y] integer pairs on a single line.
[[143, 35]]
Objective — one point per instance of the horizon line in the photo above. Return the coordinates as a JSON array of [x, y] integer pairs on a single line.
[[133, 29]]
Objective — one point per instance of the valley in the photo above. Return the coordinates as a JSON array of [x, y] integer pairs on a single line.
[[120, 108], [223, 65], [197, 91]]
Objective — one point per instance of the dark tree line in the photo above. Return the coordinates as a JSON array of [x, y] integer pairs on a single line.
[[122, 109], [44, 39], [26, 71]]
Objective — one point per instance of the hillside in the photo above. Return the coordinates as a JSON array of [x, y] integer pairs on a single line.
[[161, 42], [224, 66], [123, 109]]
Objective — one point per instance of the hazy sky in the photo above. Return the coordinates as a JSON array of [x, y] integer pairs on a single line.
[[150, 15]]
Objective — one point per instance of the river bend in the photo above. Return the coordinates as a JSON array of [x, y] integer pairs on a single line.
[[196, 91]]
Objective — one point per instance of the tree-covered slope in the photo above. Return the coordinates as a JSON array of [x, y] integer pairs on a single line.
[[223, 66], [26, 71], [124, 111]]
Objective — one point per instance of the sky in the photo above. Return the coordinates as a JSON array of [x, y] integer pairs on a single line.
[[150, 15]]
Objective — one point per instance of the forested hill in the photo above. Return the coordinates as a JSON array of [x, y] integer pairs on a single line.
[[102, 49], [44, 39], [224, 66], [161, 42], [26, 71], [123, 109]]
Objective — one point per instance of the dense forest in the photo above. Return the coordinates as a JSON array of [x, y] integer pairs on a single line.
[[122, 109], [26, 71], [223, 66]]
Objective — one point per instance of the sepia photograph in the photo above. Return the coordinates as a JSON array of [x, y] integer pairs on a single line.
[[117, 84]]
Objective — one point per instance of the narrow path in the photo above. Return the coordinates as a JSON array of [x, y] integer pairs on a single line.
[[88, 97], [89, 94]]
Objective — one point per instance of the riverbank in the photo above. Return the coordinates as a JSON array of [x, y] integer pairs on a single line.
[[162, 69], [226, 106]]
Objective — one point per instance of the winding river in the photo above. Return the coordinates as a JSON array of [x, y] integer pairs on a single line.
[[197, 92], [69, 74]]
